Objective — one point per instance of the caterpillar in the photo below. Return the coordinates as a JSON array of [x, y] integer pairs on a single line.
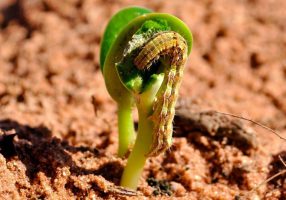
[[173, 46]]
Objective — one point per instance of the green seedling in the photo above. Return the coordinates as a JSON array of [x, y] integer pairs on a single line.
[[142, 59]]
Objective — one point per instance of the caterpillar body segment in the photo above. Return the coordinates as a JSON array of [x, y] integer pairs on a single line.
[[173, 45]]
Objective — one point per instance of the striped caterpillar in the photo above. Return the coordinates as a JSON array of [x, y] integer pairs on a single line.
[[174, 46]]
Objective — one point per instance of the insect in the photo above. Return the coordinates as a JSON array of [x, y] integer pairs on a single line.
[[173, 46]]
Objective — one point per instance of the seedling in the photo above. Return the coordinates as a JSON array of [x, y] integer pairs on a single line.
[[142, 59]]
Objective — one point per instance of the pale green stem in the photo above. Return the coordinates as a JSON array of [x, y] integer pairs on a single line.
[[137, 158], [136, 161], [125, 128]]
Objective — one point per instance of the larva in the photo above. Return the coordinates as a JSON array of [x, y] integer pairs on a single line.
[[174, 46]]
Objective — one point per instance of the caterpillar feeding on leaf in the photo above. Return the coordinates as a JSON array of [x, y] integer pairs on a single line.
[[173, 46]]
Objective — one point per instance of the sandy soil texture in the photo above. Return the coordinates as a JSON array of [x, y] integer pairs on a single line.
[[58, 126]]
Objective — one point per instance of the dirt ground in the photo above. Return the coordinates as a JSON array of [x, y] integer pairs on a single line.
[[58, 143]]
